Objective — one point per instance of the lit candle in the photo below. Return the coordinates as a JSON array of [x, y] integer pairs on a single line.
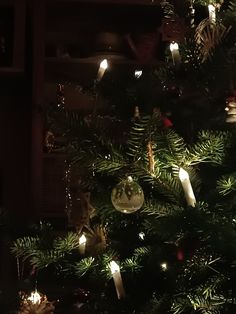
[[35, 297], [138, 73], [82, 244], [102, 68], [187, 187], [212, 13], [174, 48], [164, 266], [115, 270]]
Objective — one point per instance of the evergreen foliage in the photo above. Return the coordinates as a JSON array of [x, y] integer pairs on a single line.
[[173, 258]]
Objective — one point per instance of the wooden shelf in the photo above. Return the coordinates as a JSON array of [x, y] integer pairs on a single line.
[[85, 69], [11, 72]]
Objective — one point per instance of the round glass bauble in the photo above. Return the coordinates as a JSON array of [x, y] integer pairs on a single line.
[[127, 196]]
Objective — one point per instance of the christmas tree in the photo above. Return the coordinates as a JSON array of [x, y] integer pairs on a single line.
[[150, 199]]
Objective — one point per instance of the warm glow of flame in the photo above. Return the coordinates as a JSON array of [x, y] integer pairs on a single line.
[[212, 12], [138, 73], [141, 235], [211, 8], [104, 64], [35, 297], [164, 266], [174, 46], [130, 179], [114, 267], [82, 239], [183, 175]]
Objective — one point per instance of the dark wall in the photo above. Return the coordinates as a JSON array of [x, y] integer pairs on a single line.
[[15, 126], [15, 139]]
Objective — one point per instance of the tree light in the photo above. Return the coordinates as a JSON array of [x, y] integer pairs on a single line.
[[183, 174], [82, 244], [115, 270], [141, 235], [187, 187], [164, 266], [82, 239], [174, 48], [104, 64], [212, 13], [102, 68], [35, 297], [138, 73], [114, 267]]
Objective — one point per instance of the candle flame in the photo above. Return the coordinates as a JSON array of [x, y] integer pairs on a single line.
[[104, 64], [141, 235], [82, 239], [138, 73], [35, 297], [164, 266], [174, 46], [212, 12], [114, 267], [183, 175], [130, 179]]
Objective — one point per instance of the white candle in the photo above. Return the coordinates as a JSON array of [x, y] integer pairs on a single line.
[[187, 187], [212, 13], [35, 297], [115, 270], [102, 68], [82, 244], [174, 48]]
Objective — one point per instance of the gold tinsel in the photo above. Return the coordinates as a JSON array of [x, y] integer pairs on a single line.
[[151, 160]]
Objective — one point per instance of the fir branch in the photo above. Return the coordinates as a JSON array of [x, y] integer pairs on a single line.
[[84, 266], [229, 15], [43, 258], [25, 247], [170, 147], [209, 289], [206, 306], [110, 163], [68, 243], [180, 305], [211, 147], [141, 252], [131, 264], [159, 210], [227, 184], [135, 143]]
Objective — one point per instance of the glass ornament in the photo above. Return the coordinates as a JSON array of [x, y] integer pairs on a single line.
[[127, 196]]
